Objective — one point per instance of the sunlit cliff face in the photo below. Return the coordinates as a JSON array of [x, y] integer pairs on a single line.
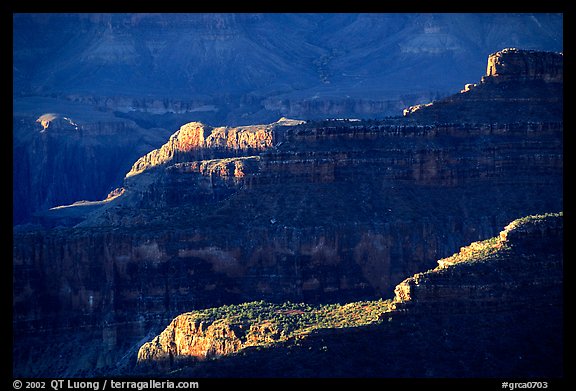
[[45, 119]]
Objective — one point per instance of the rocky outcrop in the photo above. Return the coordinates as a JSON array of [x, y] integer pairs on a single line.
[[317, 211], [361, 207], [499, 273], [190, 338], [58, 160], [492, 309], [196, 141], [524, 65], [326, 155], [134, 67], [524, 84], [185, 338]]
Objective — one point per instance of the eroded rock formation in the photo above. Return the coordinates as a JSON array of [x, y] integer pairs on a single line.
[[315, 212], [476, 276], [59, 160], [523, 65], [185, 338], [492, 309], [196, 141], [525, 84]]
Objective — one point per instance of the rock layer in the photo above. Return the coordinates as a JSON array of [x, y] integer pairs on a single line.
[[525, 84], [493, 309], [523, 65], [317, 212], [196, 141], [185, 338], [348, 224], [66, 160], [528, 251]]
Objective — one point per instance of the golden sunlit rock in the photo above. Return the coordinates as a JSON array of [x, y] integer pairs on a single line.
[[45, 120]]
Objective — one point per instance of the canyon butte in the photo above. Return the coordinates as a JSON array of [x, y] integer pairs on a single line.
[[317, 212], [117, 85]]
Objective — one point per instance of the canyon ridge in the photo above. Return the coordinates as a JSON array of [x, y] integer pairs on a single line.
[[328, 211]]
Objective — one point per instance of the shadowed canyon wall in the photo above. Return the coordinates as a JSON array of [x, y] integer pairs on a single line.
[[493, 309], [304, 225], [316, 212], [138, 77]]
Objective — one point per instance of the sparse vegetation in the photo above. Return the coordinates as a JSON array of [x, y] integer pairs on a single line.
[[476, 251], [497, 246], [531, 220], [293, 320]]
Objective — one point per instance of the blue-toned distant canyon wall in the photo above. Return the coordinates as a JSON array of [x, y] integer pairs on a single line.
[[127, 81], [316, 211]]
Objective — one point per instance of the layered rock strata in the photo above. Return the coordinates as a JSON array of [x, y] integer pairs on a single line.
[[316, 212], [58, 160], [196, 141], [464, 318], [332, 214], [525, 84], [523, 65], [529, 252]]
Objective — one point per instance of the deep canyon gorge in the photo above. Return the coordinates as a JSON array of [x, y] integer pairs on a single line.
[[315, 211]]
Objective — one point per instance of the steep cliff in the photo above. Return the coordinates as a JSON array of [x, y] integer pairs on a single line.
[[80, 154], [196, 141], [527, 85], [523, 65], [348, 225], [493, 309], [223, 331], [529, 249], [319, 212], [144, 75]]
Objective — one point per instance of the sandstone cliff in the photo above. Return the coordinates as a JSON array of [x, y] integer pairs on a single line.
[[453, 320], [196, 141], [475, 274], [361, 207], [185, 338], [217, 332], [146, 73], [523, 65], [527, 85], [327, 211]]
